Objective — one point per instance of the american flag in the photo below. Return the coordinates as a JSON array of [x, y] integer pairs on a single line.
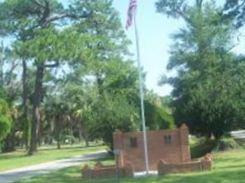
[[131, 12]]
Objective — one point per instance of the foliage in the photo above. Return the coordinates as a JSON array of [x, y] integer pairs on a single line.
[[101, 109], [37, 29], [157, 114], [208, 88], [5, 119], [226, 144], [235, 10], [67, 73], [57, 111], [201, 146], [167, 6], [106, 100], [111, 113]]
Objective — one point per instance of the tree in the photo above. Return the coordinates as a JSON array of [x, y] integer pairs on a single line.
[[100, 111], [109, 43], [109, 114], [5, 119], [33, 25], [107, 73], [57, 110], [207, 90], [81, 96], [10, 87]]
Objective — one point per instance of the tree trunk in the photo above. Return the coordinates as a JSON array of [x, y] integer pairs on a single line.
[[84, 134], [24, 104], [1, 64], [80, 132], [99, 82], [58, 139], [86, 138], [58, 143], [36, 108], [58, 129], [87, 142]]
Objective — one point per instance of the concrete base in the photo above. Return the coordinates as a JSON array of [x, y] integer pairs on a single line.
[[144, 174]]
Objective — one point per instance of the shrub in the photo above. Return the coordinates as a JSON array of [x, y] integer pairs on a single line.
[[201, 146], [226, 143]]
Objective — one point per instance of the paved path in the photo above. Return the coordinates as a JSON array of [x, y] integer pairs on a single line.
[[238, 134], [30, 171]]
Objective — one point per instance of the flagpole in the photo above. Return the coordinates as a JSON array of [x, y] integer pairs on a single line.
[[141, 97]]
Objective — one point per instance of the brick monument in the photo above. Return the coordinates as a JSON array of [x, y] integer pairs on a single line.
[[168, 152], [170, 146]]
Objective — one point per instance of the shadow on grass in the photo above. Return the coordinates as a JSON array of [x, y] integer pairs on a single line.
[[66, 175], [221, 176], [13, 156], [231, 176]]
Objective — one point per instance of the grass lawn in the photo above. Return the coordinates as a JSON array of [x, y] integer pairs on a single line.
[[19, 158], [229, 167]]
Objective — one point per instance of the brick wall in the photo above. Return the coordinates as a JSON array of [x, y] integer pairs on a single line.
[[201, 165], [169, 145], [101, 171]]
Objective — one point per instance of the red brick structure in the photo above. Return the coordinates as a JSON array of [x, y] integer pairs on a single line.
[[200, 165], [168, 152], [170, 146], [102, 171]]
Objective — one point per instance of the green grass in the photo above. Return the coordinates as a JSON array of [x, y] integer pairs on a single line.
[[229, 167], [19, 158]]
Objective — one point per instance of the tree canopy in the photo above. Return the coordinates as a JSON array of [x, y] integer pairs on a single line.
[[208, 88]]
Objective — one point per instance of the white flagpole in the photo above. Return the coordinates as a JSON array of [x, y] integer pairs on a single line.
[[141, 97]]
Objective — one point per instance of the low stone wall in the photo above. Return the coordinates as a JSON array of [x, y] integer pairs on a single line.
[[201, 165], [102, 171], [105, 171]]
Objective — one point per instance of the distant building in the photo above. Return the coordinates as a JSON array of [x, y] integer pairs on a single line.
[[170, 146]]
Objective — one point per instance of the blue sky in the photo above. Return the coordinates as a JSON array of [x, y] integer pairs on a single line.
[[154, 31]]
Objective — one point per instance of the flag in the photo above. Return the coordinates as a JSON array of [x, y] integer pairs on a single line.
[[131, 12]]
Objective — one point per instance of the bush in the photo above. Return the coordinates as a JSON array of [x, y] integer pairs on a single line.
[[201, 146], [226, 143]]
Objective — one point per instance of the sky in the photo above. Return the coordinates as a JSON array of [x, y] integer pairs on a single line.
[[155, 40]]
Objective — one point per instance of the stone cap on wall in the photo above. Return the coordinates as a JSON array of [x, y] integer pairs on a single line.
[[184, 126]]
